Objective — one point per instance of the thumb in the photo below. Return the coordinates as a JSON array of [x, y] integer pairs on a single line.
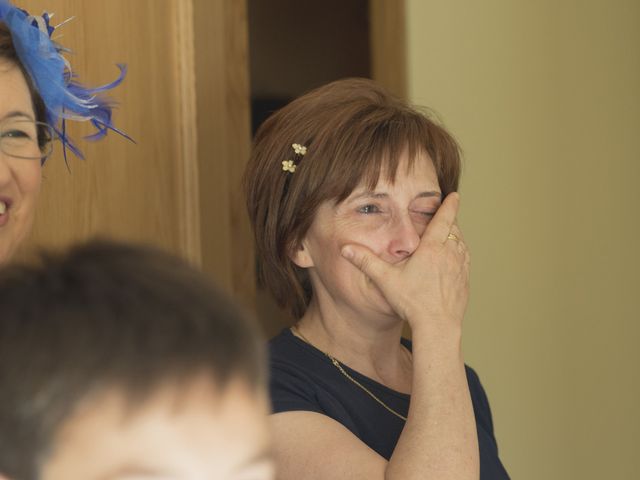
[[366, 261]]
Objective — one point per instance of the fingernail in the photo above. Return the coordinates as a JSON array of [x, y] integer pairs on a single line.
[[347, 252]]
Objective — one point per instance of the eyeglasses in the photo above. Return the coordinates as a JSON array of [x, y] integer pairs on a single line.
[[24, 138]]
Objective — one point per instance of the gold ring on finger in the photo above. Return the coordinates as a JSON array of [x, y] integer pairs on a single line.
[[453, 236]]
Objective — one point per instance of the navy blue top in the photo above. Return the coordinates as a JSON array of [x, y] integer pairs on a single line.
[[303, 378]]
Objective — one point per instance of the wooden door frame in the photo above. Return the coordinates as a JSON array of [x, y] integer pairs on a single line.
[[223, 118], [388, 42]]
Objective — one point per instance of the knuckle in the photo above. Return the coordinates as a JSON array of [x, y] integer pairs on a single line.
[[364, 264]]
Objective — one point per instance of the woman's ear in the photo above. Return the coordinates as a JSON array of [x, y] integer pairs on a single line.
[[300, 256]]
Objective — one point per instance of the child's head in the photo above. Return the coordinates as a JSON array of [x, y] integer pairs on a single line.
[[122, 363]]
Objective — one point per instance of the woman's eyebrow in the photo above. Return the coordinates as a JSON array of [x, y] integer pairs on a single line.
[[378, 195], [17, 113], [429, 194], [370, 194]]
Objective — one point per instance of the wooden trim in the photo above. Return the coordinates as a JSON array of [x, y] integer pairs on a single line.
[[389, 44], [237, 42], [188, 183], [224, 138]]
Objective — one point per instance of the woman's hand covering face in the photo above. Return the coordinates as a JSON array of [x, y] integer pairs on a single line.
[[433, 283]]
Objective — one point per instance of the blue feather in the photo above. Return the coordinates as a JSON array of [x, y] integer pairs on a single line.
[[65, 98]]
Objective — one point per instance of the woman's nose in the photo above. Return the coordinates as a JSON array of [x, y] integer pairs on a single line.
[[405, 237]]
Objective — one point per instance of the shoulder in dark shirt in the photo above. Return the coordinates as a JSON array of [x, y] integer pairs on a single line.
[[303, 378]]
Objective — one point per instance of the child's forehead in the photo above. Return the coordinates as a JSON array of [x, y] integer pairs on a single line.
[[196, 427], [170, 399]]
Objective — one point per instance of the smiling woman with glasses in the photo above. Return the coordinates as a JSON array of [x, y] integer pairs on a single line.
[[21, 155], [38, 93]]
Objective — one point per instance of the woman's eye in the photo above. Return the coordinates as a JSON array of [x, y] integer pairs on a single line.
[[368, 209], [15, 134], [425, 214]]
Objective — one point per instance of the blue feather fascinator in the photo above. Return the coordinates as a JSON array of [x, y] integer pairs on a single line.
[[63, 96]]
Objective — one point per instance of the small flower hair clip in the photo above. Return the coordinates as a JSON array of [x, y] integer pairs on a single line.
[[299, 151], [288, 166]]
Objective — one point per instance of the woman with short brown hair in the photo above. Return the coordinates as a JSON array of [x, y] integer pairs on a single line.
[[351, 194]]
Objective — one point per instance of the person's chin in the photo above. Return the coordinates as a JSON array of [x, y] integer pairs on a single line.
[[5, 253], [10, 243], [378, 305]]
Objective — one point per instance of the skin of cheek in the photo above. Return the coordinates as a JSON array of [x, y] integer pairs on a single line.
[[19, 179], [28, 177], [372, 233], [336, 273]]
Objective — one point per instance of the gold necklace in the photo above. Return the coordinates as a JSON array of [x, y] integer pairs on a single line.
[[337, 364]]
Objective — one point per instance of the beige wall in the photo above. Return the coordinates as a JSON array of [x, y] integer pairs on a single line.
[[545, 100]]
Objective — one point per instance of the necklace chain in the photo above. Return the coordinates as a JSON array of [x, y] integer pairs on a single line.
[[339, 366]]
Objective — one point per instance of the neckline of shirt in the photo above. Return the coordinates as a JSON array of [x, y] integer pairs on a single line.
[[359, 376]]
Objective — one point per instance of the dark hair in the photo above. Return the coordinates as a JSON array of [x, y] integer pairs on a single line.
[[105, 316], [353, 130], [8, 53]]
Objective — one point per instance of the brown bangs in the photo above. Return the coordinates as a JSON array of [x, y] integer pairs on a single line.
[[384, 143]]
